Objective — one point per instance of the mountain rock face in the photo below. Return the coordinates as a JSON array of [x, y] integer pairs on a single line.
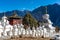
[[52, 10]]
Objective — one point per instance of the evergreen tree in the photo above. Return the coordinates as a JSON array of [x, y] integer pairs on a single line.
[[29, 20]]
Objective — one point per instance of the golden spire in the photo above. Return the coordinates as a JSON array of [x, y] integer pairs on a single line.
[[15, 14]]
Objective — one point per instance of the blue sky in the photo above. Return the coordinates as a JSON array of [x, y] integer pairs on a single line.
[[9, 5]]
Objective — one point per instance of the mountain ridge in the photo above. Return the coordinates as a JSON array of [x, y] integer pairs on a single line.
[[53, 10]]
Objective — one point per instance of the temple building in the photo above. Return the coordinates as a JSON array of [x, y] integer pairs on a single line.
[[15, 19]]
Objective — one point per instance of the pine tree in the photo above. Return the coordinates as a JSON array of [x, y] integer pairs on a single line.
[[29, 20]]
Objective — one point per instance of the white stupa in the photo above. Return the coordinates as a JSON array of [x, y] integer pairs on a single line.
[[4, 20], [1, 29], [6, 25], [15, 30], [33, 32], [48, 24]]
